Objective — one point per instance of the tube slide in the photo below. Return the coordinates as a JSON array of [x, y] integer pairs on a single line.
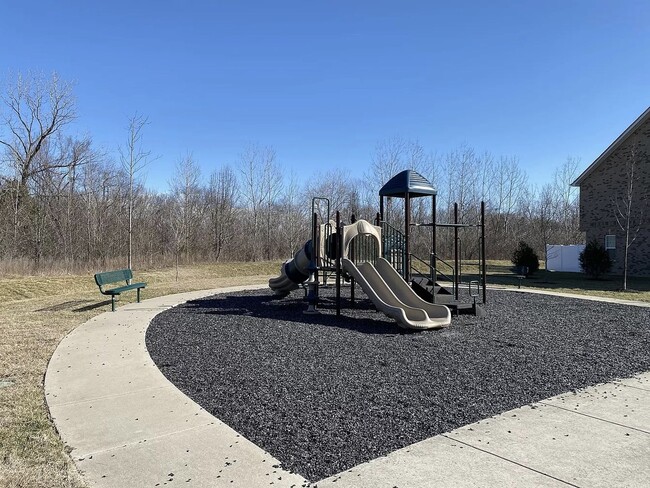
[[293, 272], [386, 300]]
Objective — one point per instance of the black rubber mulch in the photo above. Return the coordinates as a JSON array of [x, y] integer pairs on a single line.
[[323, 394]]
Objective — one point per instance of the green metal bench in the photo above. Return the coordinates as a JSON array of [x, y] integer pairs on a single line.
[[110, 277]]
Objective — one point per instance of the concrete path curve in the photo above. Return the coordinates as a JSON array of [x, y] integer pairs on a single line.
[[127, 426]]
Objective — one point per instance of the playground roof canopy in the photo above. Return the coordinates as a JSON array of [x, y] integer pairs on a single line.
[[408, 181]]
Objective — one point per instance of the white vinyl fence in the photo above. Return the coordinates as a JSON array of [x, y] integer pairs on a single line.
[[563, 258]]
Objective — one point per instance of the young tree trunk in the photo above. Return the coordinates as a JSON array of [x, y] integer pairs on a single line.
[[133, 159], [130, 258], [630, 206], [625, 256]]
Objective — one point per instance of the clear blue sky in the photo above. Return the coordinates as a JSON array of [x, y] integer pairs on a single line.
[[323, 82]]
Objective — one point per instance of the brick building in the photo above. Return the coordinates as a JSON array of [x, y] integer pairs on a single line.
[[605, 183]]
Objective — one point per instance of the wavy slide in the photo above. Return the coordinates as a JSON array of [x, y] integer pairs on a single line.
[[293, 272], [394, 297]]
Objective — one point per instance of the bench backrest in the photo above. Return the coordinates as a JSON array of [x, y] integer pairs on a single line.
[[113, 276]]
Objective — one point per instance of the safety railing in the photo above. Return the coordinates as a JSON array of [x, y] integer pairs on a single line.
[[438, 260], [433, 270], [364, 248], [393, 247], [327, 240], [414, 261]]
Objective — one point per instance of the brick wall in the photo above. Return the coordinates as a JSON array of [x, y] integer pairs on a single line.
[[603, 185]]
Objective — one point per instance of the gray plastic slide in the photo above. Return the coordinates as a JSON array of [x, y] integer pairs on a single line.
[[293, 272], [406, 294], [383, 295]]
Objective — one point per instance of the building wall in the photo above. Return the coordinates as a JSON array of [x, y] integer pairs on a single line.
[[597, 196]]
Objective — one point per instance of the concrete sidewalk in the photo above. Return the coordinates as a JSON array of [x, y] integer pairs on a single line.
[[127, 426], [540, 291]]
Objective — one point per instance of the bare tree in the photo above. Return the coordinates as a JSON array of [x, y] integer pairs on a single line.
[[543, 216], [222, 197], [335, 185], [507, 188], [175, 221], [35, 109], [186, 194], [293, 220], [631, 204], [392, 156], [461, 185], [566, 201], [57, 195], [260, 188], [273, 186], [463, 180], [134, 159], [97, 182]]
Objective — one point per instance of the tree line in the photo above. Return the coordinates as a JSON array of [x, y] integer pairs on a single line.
[[67, 205]]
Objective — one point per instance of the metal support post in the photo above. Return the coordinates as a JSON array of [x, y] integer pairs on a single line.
[[339, 250], [456, 252], [483, 270], [312, 282]]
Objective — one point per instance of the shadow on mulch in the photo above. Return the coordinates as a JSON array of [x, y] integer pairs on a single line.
[[322, 400], [292, 309]]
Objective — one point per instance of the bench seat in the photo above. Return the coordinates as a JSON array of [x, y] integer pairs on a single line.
[[119, 276], [120, 289]]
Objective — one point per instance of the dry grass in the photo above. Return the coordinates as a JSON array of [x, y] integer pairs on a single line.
[[36, 312], [501, 273]]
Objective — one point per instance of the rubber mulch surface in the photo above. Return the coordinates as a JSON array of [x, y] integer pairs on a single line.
[[323, 394]]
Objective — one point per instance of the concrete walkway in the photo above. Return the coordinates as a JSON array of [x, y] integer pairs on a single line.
[[539, 291], [127, 426]]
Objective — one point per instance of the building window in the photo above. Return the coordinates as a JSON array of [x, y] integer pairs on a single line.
[[610, 246]]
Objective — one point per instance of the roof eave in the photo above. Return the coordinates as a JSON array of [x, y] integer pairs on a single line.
[[613, 146]]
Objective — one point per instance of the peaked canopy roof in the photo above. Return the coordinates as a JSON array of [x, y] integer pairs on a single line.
[[613, 146], [408, 181]]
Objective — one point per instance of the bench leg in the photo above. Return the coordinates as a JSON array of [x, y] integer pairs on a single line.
[[138, 290], [112, 303]]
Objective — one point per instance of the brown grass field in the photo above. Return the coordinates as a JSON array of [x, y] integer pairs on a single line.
[[36, 312]]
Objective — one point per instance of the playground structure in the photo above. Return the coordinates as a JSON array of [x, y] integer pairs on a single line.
[[435, 284], [378, 258]]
